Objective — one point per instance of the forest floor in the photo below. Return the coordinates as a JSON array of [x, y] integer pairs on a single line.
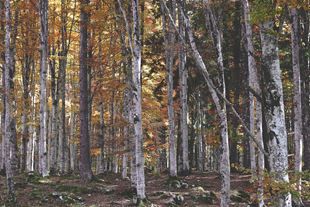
[[109, 190]]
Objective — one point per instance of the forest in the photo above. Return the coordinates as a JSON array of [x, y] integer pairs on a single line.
[[155, 103]]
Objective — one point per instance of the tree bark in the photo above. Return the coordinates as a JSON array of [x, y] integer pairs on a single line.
[[200, 155], [183, 73], [25, 126], [221, 107], [305, 70], [63, 153], [137, 102], [85, 162], [43, 170], [274, 112], [169, 36], [53, 142], [254, 84], [9, 119], [298, 136]]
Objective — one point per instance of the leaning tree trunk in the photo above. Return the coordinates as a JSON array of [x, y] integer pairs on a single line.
[[169, 37], [137, 102], [274, 110], [216, 34], [43, 170], [254, 84], [298, 137], [221, 108], [9, 120], [85, 162]]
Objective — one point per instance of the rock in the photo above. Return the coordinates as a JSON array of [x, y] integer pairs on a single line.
[[108, 191], [199, 189], [178, 199], [240, 197], [184, 185], [67, 198], [175, 184], [126, 179], [208, 197]]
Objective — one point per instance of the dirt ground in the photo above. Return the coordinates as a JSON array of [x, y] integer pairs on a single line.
[[109, 190]]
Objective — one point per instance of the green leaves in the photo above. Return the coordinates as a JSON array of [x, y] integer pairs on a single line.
[[262, 10]]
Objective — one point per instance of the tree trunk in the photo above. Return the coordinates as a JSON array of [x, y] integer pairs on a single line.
[[298, 137], [52, 152], [200, 157], [305, 70], [25, 126], [137, 103], [274, 113], [85, 162], [254, 84], [183, 73], [221, 107], [73, 145], [9, 119], [169, 37], [43, 170]]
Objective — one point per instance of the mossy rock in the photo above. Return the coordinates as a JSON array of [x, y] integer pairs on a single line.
[[175, 184], [207, 197], [141, 203], [104, 190], [199, 189], [240, 197], [38, 194], [129, 193], [68, 198], [178, 199], [33, 177]]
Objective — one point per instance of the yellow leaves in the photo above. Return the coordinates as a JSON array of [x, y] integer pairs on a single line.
[[95, 151]]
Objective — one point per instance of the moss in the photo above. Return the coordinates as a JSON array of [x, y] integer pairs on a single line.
[[73, 189], [129, 193], [143, 203], [33, 177]]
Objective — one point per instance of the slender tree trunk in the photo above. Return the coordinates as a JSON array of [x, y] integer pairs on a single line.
[[9, 119], [298, 137], [183, 73], [53, 142], [137, 103], [169, 37], [25, 126], [305, 70], [43, 93], [200, 158], [254, 84], [127, 131], [32, 129], [85, 162], [221, 108], [73, 145], [274, 113]]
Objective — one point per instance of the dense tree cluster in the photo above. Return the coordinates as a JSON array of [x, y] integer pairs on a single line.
[[95, 86]]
